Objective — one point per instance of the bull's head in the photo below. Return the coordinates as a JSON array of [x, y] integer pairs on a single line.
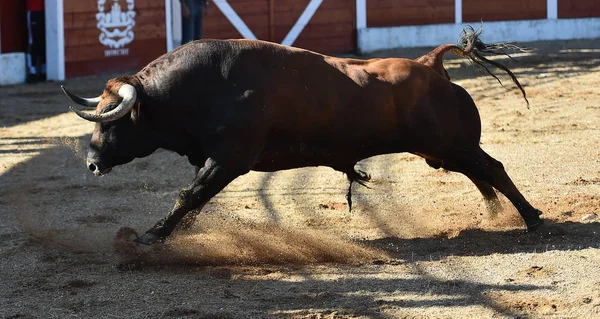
[[117, 138]]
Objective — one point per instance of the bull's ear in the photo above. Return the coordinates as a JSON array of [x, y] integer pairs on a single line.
[[135, 112]]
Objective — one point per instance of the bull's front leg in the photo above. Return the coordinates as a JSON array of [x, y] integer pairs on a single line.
[[209, 181]]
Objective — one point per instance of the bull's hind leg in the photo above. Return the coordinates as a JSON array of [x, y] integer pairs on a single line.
[[209, 181], [481, 166], [492, 203]]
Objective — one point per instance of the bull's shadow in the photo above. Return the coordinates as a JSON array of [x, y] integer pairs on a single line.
[[362, 297], [565, 236]]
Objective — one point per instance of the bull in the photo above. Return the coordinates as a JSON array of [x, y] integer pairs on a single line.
[[232, 106]]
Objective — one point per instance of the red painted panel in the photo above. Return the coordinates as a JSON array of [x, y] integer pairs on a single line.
[[87, 60], [331, 29], [389, 13], [13, 26], [503, 10], [86, 55], [578, 8]]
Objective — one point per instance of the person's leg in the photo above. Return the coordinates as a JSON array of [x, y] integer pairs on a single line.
[[40, 39], [199, 14], [36, 49], [187, 29], [31, 70], [187, 21]]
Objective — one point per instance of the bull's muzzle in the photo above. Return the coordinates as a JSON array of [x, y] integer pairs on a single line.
[[97, 169]]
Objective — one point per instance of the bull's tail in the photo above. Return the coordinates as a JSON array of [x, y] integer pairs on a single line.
[[471, 47]]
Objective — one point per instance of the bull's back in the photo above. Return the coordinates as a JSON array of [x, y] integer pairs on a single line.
[[302, 99]]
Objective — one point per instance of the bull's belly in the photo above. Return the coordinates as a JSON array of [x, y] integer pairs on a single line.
[[282, 157]]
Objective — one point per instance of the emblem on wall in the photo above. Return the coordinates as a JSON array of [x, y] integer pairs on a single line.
[[116, 27]]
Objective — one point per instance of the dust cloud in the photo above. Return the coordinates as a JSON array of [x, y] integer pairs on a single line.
[[267, 244], [71, 143]]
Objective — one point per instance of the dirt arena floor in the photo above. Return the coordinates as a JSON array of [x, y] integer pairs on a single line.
[[283, 245]]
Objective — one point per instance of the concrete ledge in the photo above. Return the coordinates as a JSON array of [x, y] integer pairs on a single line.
[[12, 68], [373, 39]]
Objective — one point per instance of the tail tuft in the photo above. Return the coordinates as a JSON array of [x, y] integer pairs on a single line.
[[476, 51]]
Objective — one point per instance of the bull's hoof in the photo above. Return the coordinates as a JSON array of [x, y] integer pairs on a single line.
[[149, 239], [534, 225]]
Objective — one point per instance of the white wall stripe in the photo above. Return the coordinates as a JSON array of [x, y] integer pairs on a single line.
[[55, 40], [308, 13], [552, 9], [235, 20], [61, 40], [169, 25], [458, 11], [361, 14]]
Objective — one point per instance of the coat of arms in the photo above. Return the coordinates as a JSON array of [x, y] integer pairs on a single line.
[[116, 26]]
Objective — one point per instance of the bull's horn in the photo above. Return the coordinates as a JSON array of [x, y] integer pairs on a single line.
[[89, 102], [127, 92]]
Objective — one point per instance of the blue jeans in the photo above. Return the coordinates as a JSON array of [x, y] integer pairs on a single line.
[[191, 27]]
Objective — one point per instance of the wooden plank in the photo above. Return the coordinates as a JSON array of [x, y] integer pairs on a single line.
[[327, 45], [142, 48], [502, 10], [314, 30], [128, 65], [13, 26], [80, 6], [271, 20], [78, 37], [88, 20], [386, 13], [406, 3], [321, 16], [300, 5], [260, 7], [578, 8]]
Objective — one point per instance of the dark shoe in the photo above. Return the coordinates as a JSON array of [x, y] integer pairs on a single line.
[[32, 78]]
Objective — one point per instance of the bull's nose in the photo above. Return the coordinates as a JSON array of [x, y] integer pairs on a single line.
[[97, 169]]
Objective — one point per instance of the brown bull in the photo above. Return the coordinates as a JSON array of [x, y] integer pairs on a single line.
[[239, 105]]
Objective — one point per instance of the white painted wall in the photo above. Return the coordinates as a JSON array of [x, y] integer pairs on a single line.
[[12, 68], [373, 39]]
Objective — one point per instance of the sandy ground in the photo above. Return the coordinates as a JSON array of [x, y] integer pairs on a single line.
[[283, 245]]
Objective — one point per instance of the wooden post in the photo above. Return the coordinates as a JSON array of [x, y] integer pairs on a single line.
[[272, 20]]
